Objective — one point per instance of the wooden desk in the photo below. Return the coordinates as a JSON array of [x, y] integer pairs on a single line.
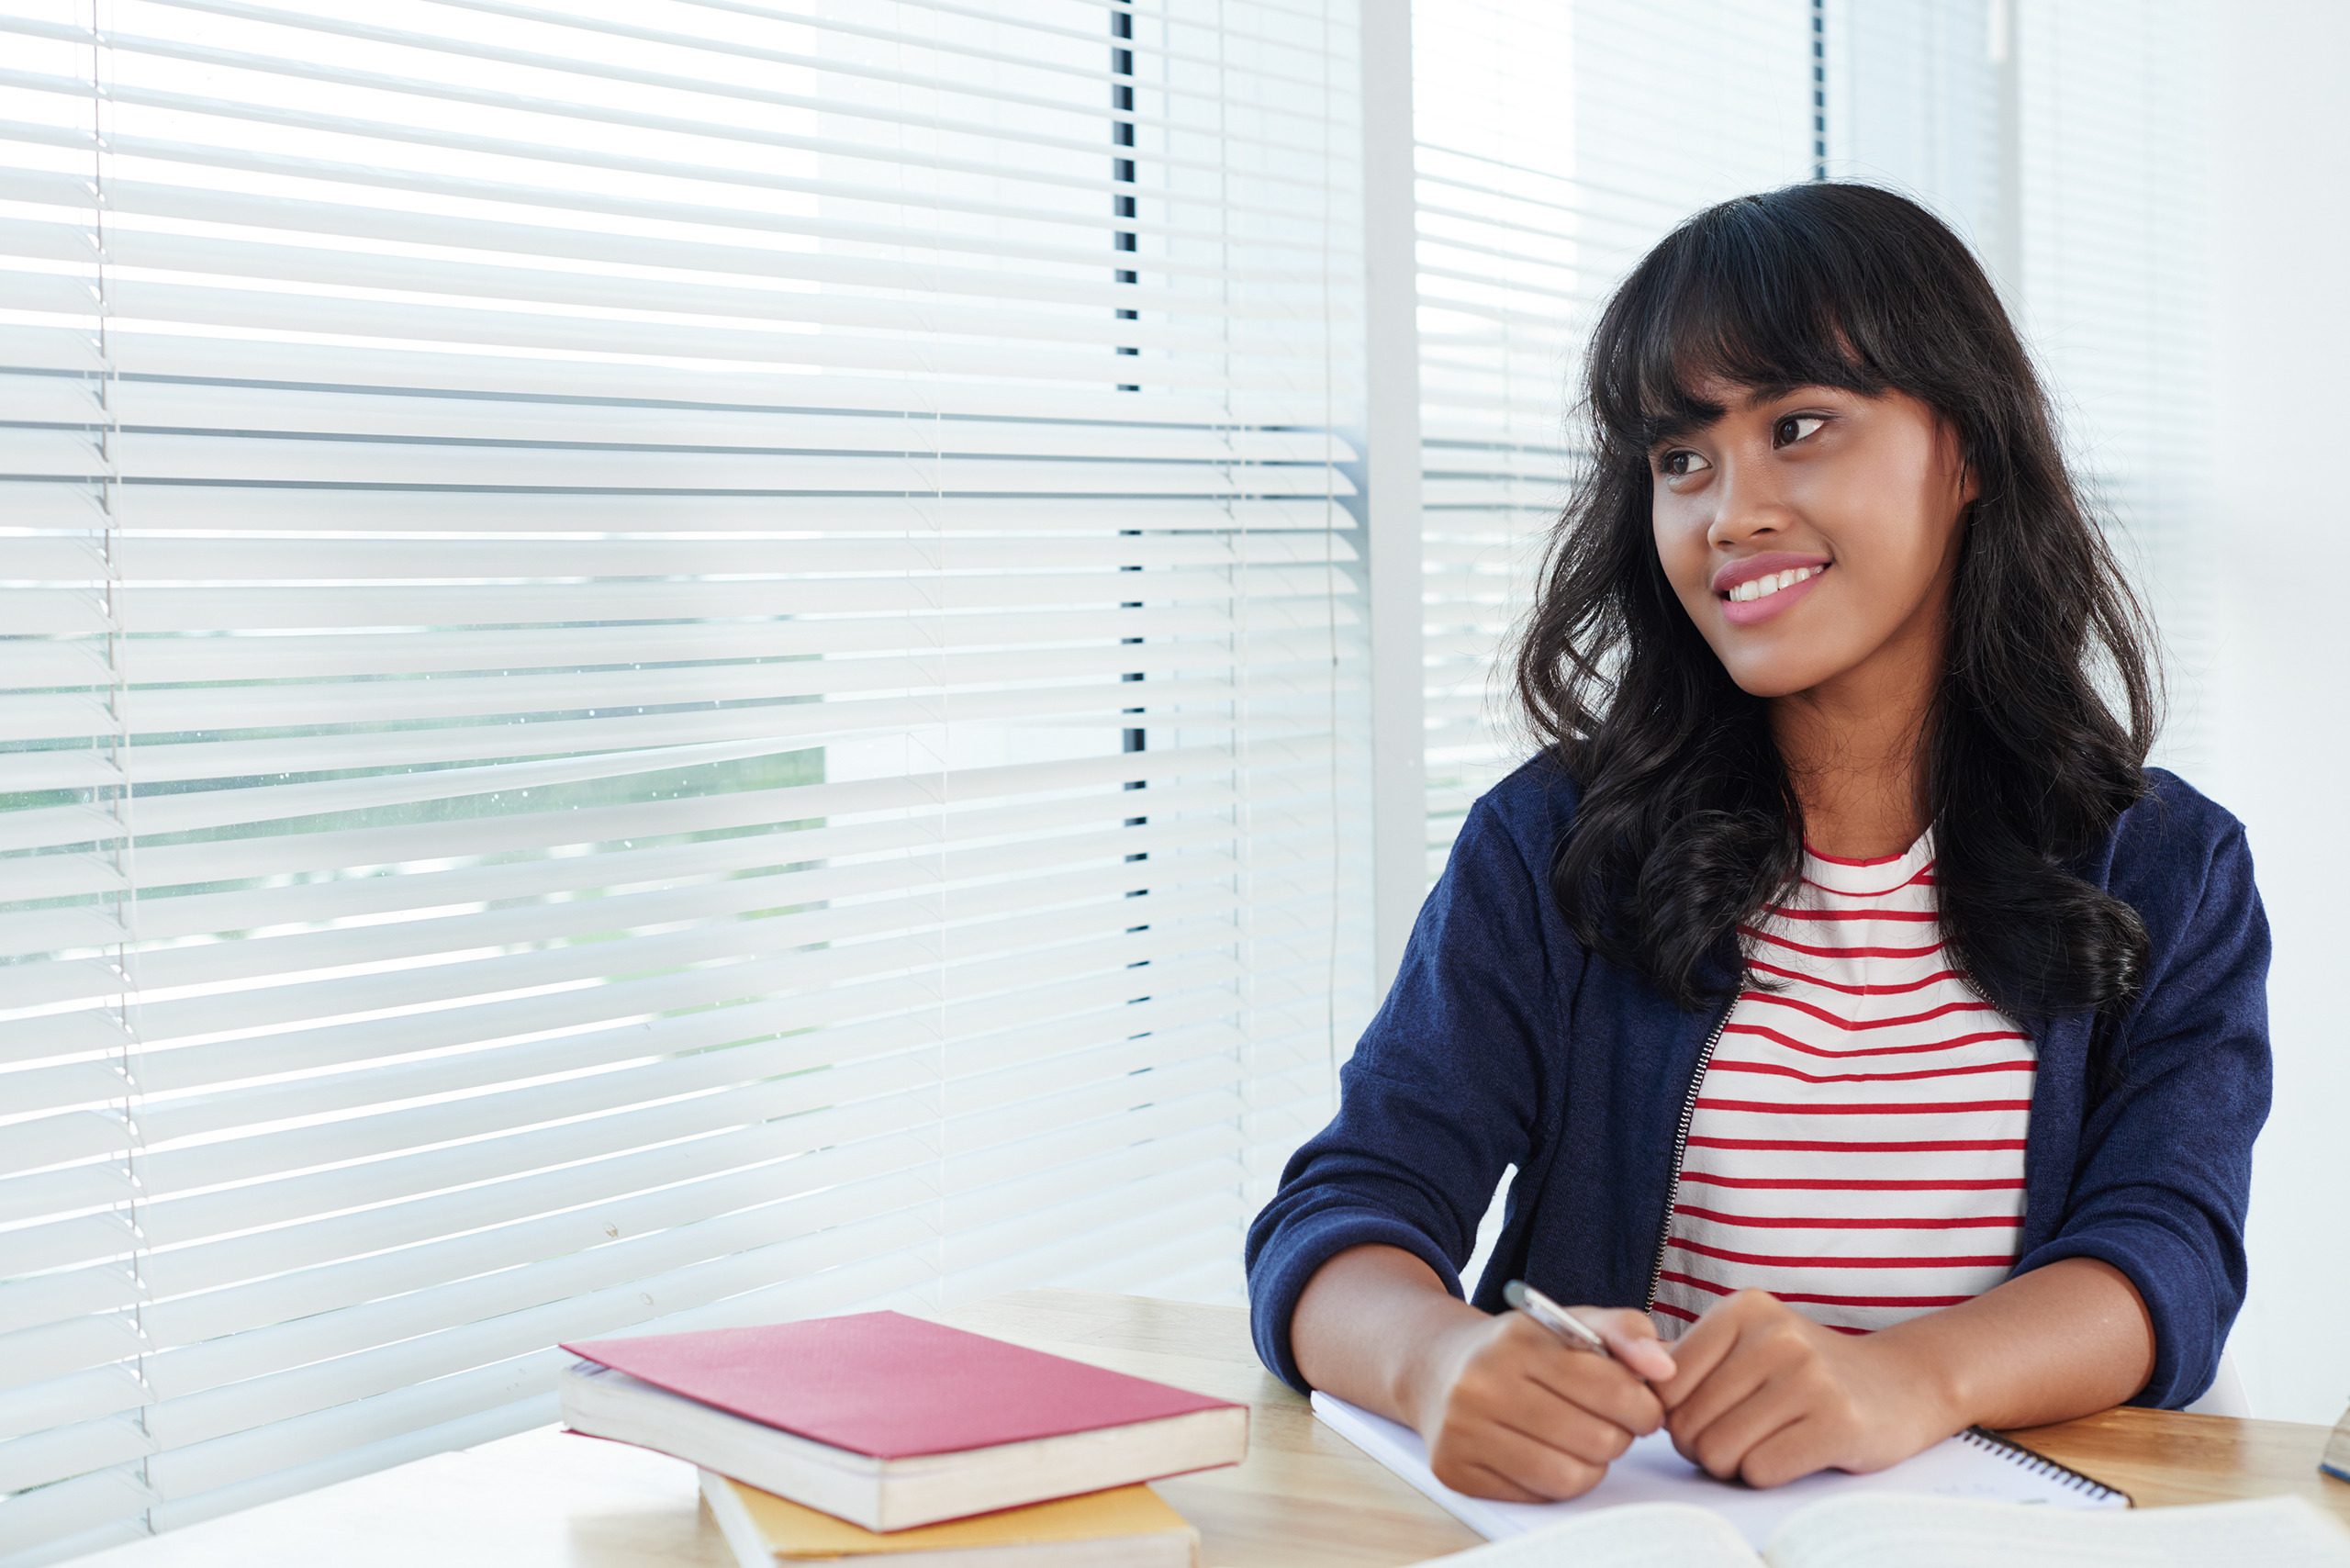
[[1304, 1498]]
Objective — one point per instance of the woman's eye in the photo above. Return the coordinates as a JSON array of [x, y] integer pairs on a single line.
[[1794, 427], [1680, 465]]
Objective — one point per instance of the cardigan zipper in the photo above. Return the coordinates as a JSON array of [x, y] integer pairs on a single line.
[[1680, 1152]]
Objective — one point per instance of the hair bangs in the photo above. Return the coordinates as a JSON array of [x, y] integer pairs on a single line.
[[1737, 296]]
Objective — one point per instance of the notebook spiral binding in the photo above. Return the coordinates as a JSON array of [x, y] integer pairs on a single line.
[[2040, 1465]]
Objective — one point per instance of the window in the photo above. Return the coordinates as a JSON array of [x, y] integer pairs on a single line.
[[674, 663]]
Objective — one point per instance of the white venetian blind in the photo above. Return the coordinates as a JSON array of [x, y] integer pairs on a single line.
[[665, 662], [1556, 144], [2111, 174], [2065, 142]]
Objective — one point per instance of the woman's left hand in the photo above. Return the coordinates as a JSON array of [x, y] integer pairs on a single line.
[[1766, 1396]]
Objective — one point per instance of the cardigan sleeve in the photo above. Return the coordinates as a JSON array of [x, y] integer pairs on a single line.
[[2163, 1173], [1441, 1095]]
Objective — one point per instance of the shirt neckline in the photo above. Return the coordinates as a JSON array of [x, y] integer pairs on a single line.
[[1882, 874]]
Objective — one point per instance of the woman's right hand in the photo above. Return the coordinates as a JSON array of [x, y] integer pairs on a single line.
[[1510, 1411]]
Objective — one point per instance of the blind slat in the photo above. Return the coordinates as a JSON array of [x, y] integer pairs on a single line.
[[220, 859]]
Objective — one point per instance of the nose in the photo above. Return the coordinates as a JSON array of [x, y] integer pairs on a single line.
[[1748, 505]]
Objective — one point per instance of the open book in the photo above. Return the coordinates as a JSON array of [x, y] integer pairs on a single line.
[[1883, 1530]]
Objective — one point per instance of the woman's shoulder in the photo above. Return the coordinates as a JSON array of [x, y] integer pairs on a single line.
[[1530, 808], [2169, 846], [2175, 815]]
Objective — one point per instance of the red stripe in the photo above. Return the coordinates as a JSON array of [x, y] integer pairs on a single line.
[[1924, 879], [1797, 1222], [1823, 1300], [1937, 976], [1776, 1071], [1827, 1301], [1672, 1311], [1876, 860], [1852, 1024], [1786, 912], [1794, 1044], [1813, 1146], [1825, 1184], [1920, 1108], [1838, 952], [2005, 1260]]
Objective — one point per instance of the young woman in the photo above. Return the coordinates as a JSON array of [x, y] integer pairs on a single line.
[[1845, 990]]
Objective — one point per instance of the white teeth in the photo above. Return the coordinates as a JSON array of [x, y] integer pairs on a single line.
[[1777, 581]]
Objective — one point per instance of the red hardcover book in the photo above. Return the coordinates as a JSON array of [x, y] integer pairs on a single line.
[[891, 1421]]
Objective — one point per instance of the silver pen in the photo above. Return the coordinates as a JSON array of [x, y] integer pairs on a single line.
[[1555, 1318]]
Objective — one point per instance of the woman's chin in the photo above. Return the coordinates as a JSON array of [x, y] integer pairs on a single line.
[[1769, 677]]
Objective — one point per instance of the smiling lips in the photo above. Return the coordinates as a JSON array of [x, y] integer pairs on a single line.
[[1761, 587], [1756, 587]]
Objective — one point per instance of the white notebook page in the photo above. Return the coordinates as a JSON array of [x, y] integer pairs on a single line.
[[1650, 1472]]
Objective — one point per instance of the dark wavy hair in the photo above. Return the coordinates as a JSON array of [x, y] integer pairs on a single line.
[[1688, 824]]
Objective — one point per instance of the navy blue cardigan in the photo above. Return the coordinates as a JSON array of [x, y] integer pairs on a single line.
[[1505, 1042]]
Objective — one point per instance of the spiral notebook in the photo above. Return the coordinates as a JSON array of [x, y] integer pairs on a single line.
[[1975, 1464]]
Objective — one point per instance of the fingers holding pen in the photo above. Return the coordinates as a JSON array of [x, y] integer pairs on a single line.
[[1517, 1413], [1629, 1338], [1633, 1339], [1595, 1385]]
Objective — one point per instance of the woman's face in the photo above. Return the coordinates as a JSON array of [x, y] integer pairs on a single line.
[[1813, 534]]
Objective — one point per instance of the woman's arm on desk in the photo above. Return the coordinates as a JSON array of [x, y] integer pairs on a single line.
[[1506, 1408], [1765, 1395], [1755, 1389]]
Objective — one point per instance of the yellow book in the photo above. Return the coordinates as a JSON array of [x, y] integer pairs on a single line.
[[1125, 1527]]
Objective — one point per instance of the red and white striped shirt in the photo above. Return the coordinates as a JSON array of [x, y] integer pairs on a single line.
[[1858, 1144]]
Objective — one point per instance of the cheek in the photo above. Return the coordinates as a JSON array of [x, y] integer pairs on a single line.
[[1680, 544], [1894, 554]]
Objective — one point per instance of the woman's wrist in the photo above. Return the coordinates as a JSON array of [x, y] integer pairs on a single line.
[[1376, 1327], [2066, 1340], [1925, 1378], [1435, 1340]]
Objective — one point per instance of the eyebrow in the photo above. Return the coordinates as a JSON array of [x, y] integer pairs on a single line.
[[1695, 415]]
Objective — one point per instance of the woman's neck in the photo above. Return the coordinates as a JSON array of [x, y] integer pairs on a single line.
[[1854, 751]]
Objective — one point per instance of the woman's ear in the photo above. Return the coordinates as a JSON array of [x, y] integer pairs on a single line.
[[1970, 482]]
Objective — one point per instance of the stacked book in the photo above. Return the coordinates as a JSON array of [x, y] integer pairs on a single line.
[[879, 1436]]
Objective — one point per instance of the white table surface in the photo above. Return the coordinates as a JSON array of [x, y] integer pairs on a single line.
[[540, 1499]]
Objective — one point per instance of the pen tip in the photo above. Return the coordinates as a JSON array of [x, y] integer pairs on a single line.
[[1514, 1292]]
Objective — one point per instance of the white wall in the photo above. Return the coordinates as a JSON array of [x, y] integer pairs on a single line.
[[2279, 701]]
